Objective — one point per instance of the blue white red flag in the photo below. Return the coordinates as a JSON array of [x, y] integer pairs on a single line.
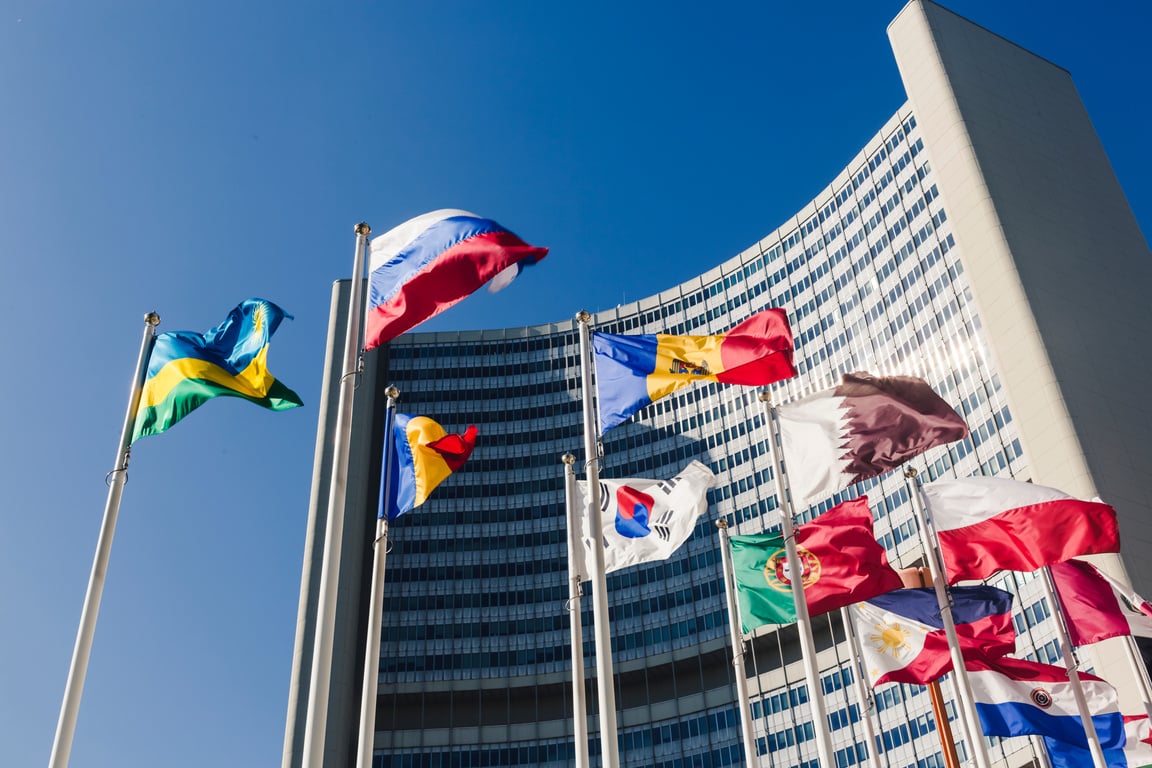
[[646, 520], [427, 264], [1015, 697], [902, 637]]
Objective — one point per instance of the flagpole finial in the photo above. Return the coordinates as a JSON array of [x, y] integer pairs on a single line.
[[363, 229], [583, 316], [392, 393], [152, 319], [568, 459], [910, 472], [764, 396], [722, 524]]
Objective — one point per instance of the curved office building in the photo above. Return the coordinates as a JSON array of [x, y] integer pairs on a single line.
[[932, 253]]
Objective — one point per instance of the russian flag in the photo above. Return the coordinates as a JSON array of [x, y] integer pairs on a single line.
[[1096, 607], [902, 638], [427, 264], [1015, 697], [988, 524]]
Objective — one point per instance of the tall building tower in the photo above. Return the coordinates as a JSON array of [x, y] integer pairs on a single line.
[[979, 240]]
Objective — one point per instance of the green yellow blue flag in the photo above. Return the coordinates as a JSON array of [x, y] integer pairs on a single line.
[[187, 368]]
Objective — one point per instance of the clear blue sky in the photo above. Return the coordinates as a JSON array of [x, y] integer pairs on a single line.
[[183, 156]]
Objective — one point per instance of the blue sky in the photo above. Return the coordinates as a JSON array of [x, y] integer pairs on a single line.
[[181, 157]]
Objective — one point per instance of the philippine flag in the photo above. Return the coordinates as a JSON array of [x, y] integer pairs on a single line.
[[427, 264], [646, 520], [902, 638], [1096, 607], [1015, 697], [988, 524]]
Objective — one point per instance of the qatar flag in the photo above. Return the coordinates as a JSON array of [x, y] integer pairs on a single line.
[[989, 524], [646, 520], [860, 429]]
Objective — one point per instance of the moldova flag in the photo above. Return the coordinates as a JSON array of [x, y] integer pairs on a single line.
[[635, 371]]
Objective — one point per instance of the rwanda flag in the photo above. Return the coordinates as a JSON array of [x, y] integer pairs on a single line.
[[188, 368]]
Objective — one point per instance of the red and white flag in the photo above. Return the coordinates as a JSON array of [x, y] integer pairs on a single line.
[[859, 429], [989, 524], [1096, 607]]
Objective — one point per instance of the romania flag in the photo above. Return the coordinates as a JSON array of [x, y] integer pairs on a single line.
[[635, 371], [422, 456], [186, 368]]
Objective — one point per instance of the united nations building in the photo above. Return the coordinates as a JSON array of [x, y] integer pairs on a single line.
[[979, 240]]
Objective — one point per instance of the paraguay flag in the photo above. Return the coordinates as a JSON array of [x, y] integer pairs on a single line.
[[635, 371], [427, 264], [421, 456]]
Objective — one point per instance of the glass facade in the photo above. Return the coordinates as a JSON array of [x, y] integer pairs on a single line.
[[475, 659]]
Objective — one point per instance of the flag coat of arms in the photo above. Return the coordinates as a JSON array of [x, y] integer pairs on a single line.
[[431, 262], [1015, 697], [646, 520], [859, 429], [1096, 607], [988, 524], [634, 371], [422, 455], [902, 638], [842, 562]]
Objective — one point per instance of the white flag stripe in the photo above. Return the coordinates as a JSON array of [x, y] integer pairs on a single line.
[[960, 503], [812, 434]]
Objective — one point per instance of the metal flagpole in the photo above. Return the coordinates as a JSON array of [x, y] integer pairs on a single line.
[[376, 599], [1071, 664], [796, 573], [605, 683], [863, 694], [70, 708], [575, 577], [939, 710], [316, 720], [967, 709], [737, 637]]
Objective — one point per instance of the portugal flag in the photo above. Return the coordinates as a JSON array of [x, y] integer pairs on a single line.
[[843, 564]]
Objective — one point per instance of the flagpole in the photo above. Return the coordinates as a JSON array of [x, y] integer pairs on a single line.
[[967, 709], [605, 683], [940, 710], [796, 573], [863, 695], [737, 638], [1070, 663], [316, 720], [376, 599], [78, 670], [575, 577]]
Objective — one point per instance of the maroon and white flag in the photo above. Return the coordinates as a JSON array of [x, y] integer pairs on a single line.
[[860, 429]]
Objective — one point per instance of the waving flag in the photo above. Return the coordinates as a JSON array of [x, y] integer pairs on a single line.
[[647, 520], [843, 564], [987, 524], [860, 429], [186, 369], [1096, 607], [1015, 697], [427, 264], [1137, 751], [635, 371], [422, 456], [902, 637]]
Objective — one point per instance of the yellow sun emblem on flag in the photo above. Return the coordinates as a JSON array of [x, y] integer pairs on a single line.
[[259, 317], [891, 639]]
